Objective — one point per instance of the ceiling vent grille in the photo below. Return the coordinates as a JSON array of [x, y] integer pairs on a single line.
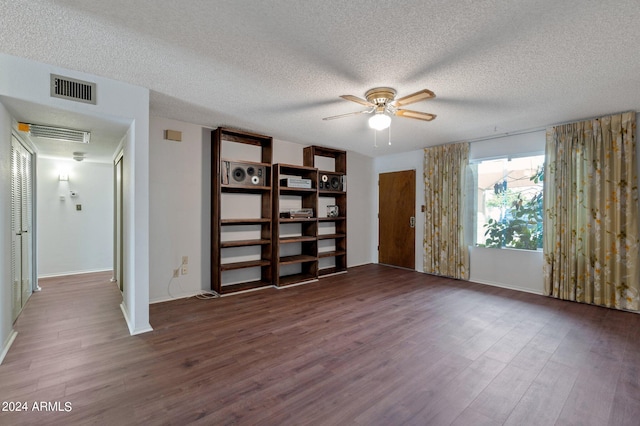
[[72, 89], [56, 133]]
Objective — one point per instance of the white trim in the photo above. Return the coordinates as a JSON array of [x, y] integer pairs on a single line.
[[508, 287], [62, 274], [508, 157], [330, 275], [142, 331], [315, 280], [172, 298], [7, 345], [126, 317], [132, 331], [86, 160], [360, 264], [247, 291]]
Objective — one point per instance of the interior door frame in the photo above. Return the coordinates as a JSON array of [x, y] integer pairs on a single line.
[[118, 223], [34, 209], [32, 229], [412, 196]]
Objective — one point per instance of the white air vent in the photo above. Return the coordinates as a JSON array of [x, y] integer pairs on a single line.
[[72, 89], [57, 133]]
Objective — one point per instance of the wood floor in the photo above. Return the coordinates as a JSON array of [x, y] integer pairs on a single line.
[[375, 346]]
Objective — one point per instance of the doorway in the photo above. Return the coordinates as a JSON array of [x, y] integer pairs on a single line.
[[396, 218], [21, 226], [118, 275]]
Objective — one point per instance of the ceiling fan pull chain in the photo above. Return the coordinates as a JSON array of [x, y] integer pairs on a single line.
[[375, 138], [389, 134]]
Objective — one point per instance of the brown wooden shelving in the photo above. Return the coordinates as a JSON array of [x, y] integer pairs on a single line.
[[243, 265], [258, 221], [244, 243], [339, 254], [244, 286], [331, 253], [245, 188], [277, 266], [331, 219], [331, 236], [297, 279], [262, 220], [307, 258], [299, 258], [298, 220], [296, 239]]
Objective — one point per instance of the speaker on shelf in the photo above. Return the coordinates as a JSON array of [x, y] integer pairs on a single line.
[[242, 174], [332, 182]]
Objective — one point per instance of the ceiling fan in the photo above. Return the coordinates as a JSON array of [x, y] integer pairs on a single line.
[[381, 103]]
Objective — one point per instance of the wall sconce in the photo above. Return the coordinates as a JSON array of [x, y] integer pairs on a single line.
[[63, 177]]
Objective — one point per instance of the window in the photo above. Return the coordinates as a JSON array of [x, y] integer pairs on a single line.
[[509, 202]]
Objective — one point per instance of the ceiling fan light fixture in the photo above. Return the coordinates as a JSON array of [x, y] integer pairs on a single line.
[[379, 121]]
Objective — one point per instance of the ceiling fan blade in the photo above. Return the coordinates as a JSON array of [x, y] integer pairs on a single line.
[[415, 114], [415, 97], [347, 115], [357, 100]]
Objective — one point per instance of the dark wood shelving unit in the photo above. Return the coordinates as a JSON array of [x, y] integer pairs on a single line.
[[244, 243], [263, 217], [331, 236], [331, 254], [242, 265], [307, 258], [339, 254], [245, 221]]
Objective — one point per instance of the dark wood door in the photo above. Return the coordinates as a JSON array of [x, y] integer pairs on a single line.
[[396, 218]]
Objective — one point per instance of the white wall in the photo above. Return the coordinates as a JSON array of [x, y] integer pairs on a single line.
[[509, 268], [360, 216], [28, 80], [413, 160], [72, 241], [180, 202], [518, 269]]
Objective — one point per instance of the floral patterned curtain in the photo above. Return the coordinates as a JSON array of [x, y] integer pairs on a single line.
[[445, 251], [591, 241]]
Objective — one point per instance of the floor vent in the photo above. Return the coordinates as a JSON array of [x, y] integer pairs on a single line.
[[72, 89]]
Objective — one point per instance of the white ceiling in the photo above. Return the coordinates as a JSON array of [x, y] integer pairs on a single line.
[[106, 133], [278, 67]]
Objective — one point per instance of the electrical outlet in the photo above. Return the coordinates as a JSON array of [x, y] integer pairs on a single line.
[[185, 260], [176, 273], [185, 269]]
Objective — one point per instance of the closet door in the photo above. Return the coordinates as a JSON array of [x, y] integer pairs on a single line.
[[21, 226]]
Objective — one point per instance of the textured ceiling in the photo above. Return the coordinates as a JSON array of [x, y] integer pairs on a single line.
[[278, 67]]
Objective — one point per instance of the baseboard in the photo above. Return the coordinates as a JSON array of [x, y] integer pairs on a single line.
[[172, 298], [7, 345], [315, 280], [508, 287], [333, 274], [132, 330], [359, 264], [64, 274]]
